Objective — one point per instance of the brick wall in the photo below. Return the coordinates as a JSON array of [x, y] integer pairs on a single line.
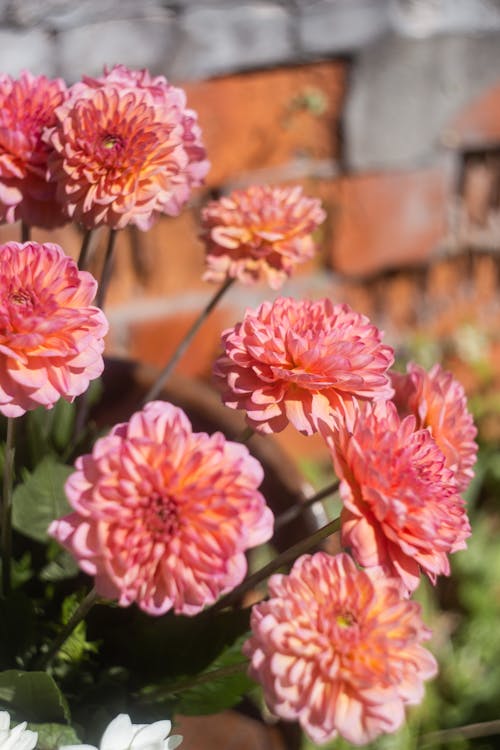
[[387, 110]]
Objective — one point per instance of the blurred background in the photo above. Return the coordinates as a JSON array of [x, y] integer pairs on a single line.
[[389, 111]]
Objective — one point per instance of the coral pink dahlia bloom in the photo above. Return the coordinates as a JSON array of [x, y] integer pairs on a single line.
[[125, 151], [438, 402], [27, 106], [402, 511], [338, 650], [51, 337], [301, 362], [259, 233], [162, 515]]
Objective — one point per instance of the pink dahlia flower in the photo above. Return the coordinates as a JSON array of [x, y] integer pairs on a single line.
[[301, 362], [402, 511], [125, 150], [27, 106], [163, 516], [259, 233], [51, 337], [438, 402], [338, 649]]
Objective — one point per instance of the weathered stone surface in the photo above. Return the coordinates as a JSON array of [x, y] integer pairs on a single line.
[[421, 18], [404, 91], [333, 26], [138, 43], [31, 50], [220, 38], [64, 14]]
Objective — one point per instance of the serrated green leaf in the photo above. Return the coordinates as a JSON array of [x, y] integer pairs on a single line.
[[63, 424], [76, 645], [60, 569], [40, 499], [53, 736], [33, 695]]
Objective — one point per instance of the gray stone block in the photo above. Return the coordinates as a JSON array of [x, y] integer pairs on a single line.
[[424, 17], [26, 50], [225, 38], [336, 26], [139, 43], [65, 14], [404, 92]]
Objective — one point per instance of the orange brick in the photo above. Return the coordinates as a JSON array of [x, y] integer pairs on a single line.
[[153, 341], [478, 123], [256, 120], [387, 219]]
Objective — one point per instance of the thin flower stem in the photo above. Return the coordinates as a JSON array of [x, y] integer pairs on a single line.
[[296, 510], [78, 615], [183, 345], [200, 679], [25, 232], [84, 251], [468, 731], [106, 269], [8, 481], [283, 559], [247, 433]]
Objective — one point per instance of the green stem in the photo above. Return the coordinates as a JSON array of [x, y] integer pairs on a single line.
[[183, 345], [466, 732], [107, 269], [8, 481], [201, 679], [78, 615], [25, 232], [296, 510], [283, 559], [247, 433], [84, 250]]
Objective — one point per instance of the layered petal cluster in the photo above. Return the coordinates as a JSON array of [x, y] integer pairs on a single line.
[[121, 734], [438, 401], [302, 362], [259, 233], [18, 738], [27, 106], [402, 511], [51, 337], [125, 150], [338, 649], [162, 515]]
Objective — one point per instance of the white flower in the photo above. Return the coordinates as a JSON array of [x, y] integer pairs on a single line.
[[121, 734], [18, 738]]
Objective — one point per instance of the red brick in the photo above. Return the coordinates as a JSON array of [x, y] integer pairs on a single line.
[[153, 341], [262, 119], [478, 124], [387, 219]]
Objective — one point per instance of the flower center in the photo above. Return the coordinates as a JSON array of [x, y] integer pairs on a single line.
[[345, 620], [22, 298], [111, 142], [163, 515]]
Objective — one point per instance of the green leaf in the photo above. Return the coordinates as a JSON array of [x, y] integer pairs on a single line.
[[40, 499], [52, 736], [33, 695], [221, 685], [64, 415], [76, 645], [59, 569]]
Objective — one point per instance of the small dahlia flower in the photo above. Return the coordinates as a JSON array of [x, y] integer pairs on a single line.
[[163, 515], [338, 649], [259, 233], [125, 150], [18, 738], [301, 362], [402, 511], [121, 734], [438, 402], [51, 337], [27, 106]]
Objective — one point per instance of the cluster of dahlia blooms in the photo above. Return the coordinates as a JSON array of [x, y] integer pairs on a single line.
[[116, 150], [162, 516]]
